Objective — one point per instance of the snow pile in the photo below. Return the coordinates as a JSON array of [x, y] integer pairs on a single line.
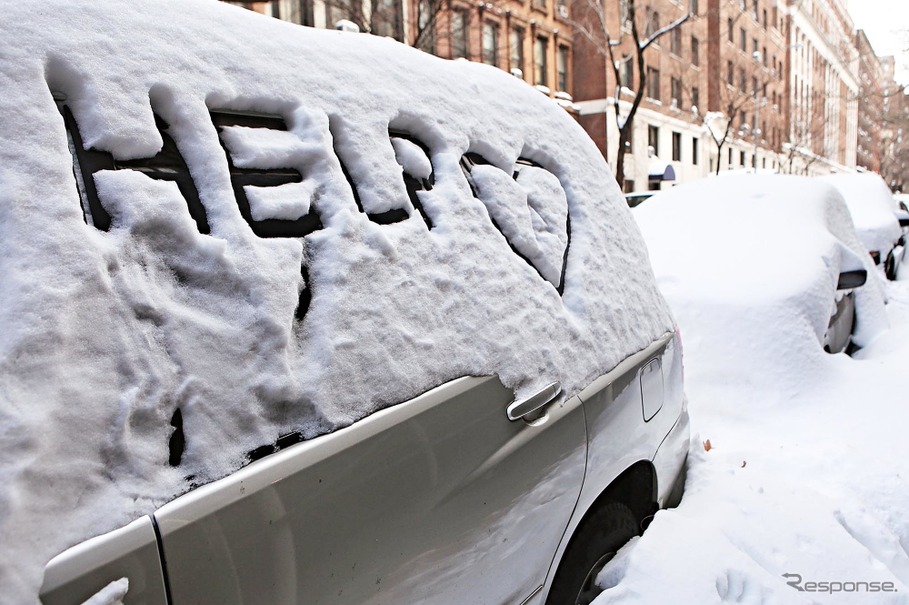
[[797, 469], [871, 205], [111, 339]]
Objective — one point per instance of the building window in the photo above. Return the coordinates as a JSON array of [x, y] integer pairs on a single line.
[[742, 159], [730, 157], [695, 51], [743, 81], [675, 90], [764, 14], [540, 63], [625, 73], [562, 67], [426, 28], [653, 24], [491, 43], [676, 146], [653, 83], [458, 34], [754, 45], [541, 4], [694, 150], [653, 138], [754, 84], [730, 73], [676, 41], [764, 56], [695, 96], [694, 6], [743, 40], [730, 31], [516, 49]]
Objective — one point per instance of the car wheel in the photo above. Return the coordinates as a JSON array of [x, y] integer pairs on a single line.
[[594, 544], [890, 267]]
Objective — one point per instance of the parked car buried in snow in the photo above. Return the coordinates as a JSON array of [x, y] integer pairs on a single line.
[[298, 330], [778, 252], [875, 216]]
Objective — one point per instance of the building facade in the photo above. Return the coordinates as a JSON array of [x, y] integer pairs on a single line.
[[715, 89], [872, 79], [531, 39], [777, 85], [824, 88]]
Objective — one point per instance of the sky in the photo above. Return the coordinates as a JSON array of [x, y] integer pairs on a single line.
[[886, 23]]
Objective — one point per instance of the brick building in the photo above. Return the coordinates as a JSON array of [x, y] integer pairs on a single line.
[[782, 85], [719, 76], [529, 38], [872, 90]]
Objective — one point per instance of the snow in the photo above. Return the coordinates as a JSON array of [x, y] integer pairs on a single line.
[[805, 469], [104, 335], [112, 594], [871, 205]]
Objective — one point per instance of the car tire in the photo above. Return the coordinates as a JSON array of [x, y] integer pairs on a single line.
[[890, 267], [593, 545]]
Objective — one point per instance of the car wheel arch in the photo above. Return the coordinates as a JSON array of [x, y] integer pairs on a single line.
[[635, 487]]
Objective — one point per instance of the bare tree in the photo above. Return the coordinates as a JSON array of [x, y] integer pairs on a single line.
[[592, 25], [731, 115], [386, 18], [380, 17]]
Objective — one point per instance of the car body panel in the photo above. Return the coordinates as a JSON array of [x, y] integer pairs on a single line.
[[617, 434], [438, 500], [130, 552]]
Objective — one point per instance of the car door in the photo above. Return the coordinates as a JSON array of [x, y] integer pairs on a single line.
[[441, 499]]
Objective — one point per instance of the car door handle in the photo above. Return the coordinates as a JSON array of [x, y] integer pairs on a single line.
[[519, 408]]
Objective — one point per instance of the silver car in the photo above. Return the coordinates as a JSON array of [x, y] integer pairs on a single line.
[[394, 330]]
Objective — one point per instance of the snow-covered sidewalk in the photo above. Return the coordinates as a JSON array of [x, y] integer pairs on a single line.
[[797, 486]]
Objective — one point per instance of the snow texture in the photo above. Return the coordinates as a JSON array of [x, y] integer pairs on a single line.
[[871, 204], [805, 470], [104, 335], [411, 158], [112, 594]]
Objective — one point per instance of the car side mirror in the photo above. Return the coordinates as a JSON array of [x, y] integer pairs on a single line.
[[903, 217], [851, 279]]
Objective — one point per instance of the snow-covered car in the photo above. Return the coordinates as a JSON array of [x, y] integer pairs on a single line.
[[305, 316], [872, 207], [636, 198], [779, 252]]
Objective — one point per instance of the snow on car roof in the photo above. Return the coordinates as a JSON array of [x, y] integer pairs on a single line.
[[106, 334], [871, 205], [759, 242]]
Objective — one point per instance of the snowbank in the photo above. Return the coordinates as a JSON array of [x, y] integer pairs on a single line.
[[106, 335]]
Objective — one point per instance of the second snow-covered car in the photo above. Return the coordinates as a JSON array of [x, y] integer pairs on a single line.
[[776, 252]]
